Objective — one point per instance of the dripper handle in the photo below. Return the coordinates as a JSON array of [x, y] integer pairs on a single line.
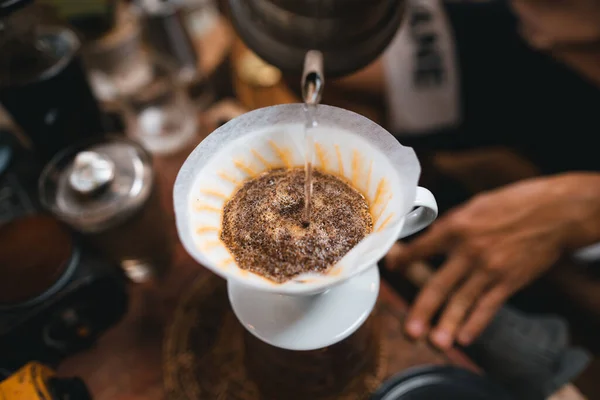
[[425, 212]]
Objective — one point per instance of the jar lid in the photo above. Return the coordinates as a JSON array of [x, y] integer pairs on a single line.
[[97, 186], [439, 382]]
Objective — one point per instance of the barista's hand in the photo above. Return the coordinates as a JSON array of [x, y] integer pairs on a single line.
[[495, 244]]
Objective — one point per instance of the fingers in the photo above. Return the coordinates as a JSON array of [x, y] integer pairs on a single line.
[[482, 314], [458, 307], [392, 259], [432, 242], [434, 294]]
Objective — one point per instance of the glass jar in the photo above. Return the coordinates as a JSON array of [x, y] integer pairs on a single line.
[[160, 115], [43, 85]]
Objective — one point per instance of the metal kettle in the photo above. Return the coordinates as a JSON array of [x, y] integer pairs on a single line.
[[349, 33]]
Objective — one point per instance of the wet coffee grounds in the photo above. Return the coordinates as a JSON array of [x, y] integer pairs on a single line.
[[263, 225]]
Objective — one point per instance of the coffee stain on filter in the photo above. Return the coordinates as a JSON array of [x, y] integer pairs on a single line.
[[385, 223], [380, 192], [203, 207], [227, 177], [226, 262], [283, 154], [380, 202], [215, 193], [262, 159], [356, 169], [210, 245], [246, 169], [207, 229], [321, 157], [338, 153], [335, 271]]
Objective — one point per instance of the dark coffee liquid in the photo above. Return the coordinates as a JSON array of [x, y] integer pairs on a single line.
[[264, 226], [55, 106], [34, 251]]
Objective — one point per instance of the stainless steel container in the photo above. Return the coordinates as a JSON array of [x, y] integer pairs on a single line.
[[350, 33], [107, 192]]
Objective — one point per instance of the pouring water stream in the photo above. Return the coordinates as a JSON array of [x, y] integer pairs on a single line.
[[312, 89]]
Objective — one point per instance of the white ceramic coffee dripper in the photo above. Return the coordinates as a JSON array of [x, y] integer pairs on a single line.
[[312, 310]]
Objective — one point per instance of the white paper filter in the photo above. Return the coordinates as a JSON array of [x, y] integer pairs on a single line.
[[346, 144]]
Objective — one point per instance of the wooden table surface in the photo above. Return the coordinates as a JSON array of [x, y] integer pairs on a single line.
[[126, 363]]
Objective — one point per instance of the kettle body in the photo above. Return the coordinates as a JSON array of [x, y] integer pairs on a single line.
[[349, 33]]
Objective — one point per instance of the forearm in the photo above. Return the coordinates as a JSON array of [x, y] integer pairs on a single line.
[[584, 189]]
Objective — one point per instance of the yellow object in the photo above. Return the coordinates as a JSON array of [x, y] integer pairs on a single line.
[[256, 72], [28, 383]]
